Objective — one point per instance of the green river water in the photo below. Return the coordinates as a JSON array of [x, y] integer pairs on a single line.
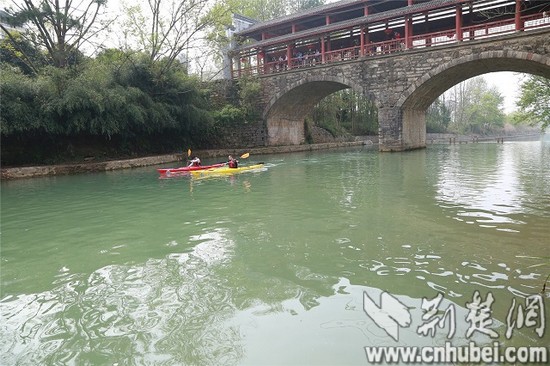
[[271, 267]]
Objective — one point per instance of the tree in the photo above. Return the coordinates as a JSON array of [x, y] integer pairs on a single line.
[[484, 110], [534, 101], [438, 116], [346, 112], [167, 30], [301, 5], [250, 94], [21, 53], [261, 10], [460, 100], [61, 28], [475, 107]]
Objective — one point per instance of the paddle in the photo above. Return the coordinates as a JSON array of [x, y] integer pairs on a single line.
[[243, 156], [188, 155]]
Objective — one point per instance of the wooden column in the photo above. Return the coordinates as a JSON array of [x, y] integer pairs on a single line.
[[362, 43], [261, 62], [323, 49], [518, 21], [458, 23], [427, 39], [409, 28], [408, 31], [289, 56], [364, 33]]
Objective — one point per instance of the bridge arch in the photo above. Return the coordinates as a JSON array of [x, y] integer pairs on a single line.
[[286, 110], [415, 100], [422, 93]]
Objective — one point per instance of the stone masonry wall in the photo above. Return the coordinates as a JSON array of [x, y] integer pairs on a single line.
[[245, 135]]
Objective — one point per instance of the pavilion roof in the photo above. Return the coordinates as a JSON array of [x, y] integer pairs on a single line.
[[316, 11], [317, 31]]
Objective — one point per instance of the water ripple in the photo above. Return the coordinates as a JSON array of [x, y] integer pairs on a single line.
[[161, 310]]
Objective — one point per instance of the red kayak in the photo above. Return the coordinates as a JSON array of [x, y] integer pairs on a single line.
[[174, 172]]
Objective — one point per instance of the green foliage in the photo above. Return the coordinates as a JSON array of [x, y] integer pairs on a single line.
[[19, 111], [346, 112], [476, 107], [534, 101], [485, 114], [261, 10], [438, 117], [118, 97], [57, 28], [301, 5], [308, 137], [17, 51], [229, 115], [250, 91]]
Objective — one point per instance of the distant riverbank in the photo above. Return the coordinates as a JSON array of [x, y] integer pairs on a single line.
[[449, 138], [90, 166]]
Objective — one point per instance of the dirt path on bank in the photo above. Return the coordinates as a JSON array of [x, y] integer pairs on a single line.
[[87, 167]]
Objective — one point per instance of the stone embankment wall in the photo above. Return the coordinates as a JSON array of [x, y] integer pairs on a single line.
[[246, 135], [320, 136], [50, 170]]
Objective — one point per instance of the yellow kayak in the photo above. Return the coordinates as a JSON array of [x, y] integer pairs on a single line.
[[224, 171]]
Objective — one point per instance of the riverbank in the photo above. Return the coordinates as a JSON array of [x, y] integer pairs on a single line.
[[88, 167], [450, 138]]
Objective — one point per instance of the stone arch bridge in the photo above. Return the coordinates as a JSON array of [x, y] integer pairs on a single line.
[[402, 85]]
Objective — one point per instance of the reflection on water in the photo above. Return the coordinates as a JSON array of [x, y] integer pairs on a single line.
[[168, 310], [270, 267], [495, 190]]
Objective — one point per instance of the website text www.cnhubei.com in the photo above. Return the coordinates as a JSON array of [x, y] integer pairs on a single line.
[[452, 354]]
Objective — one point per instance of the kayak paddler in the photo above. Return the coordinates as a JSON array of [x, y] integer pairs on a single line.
[[195, 161], [232, 162]]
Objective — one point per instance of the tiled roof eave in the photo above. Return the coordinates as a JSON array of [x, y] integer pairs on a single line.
[[318, 31], [319, 10]]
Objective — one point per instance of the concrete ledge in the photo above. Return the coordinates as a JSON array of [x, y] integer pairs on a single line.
[[52, 170]]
